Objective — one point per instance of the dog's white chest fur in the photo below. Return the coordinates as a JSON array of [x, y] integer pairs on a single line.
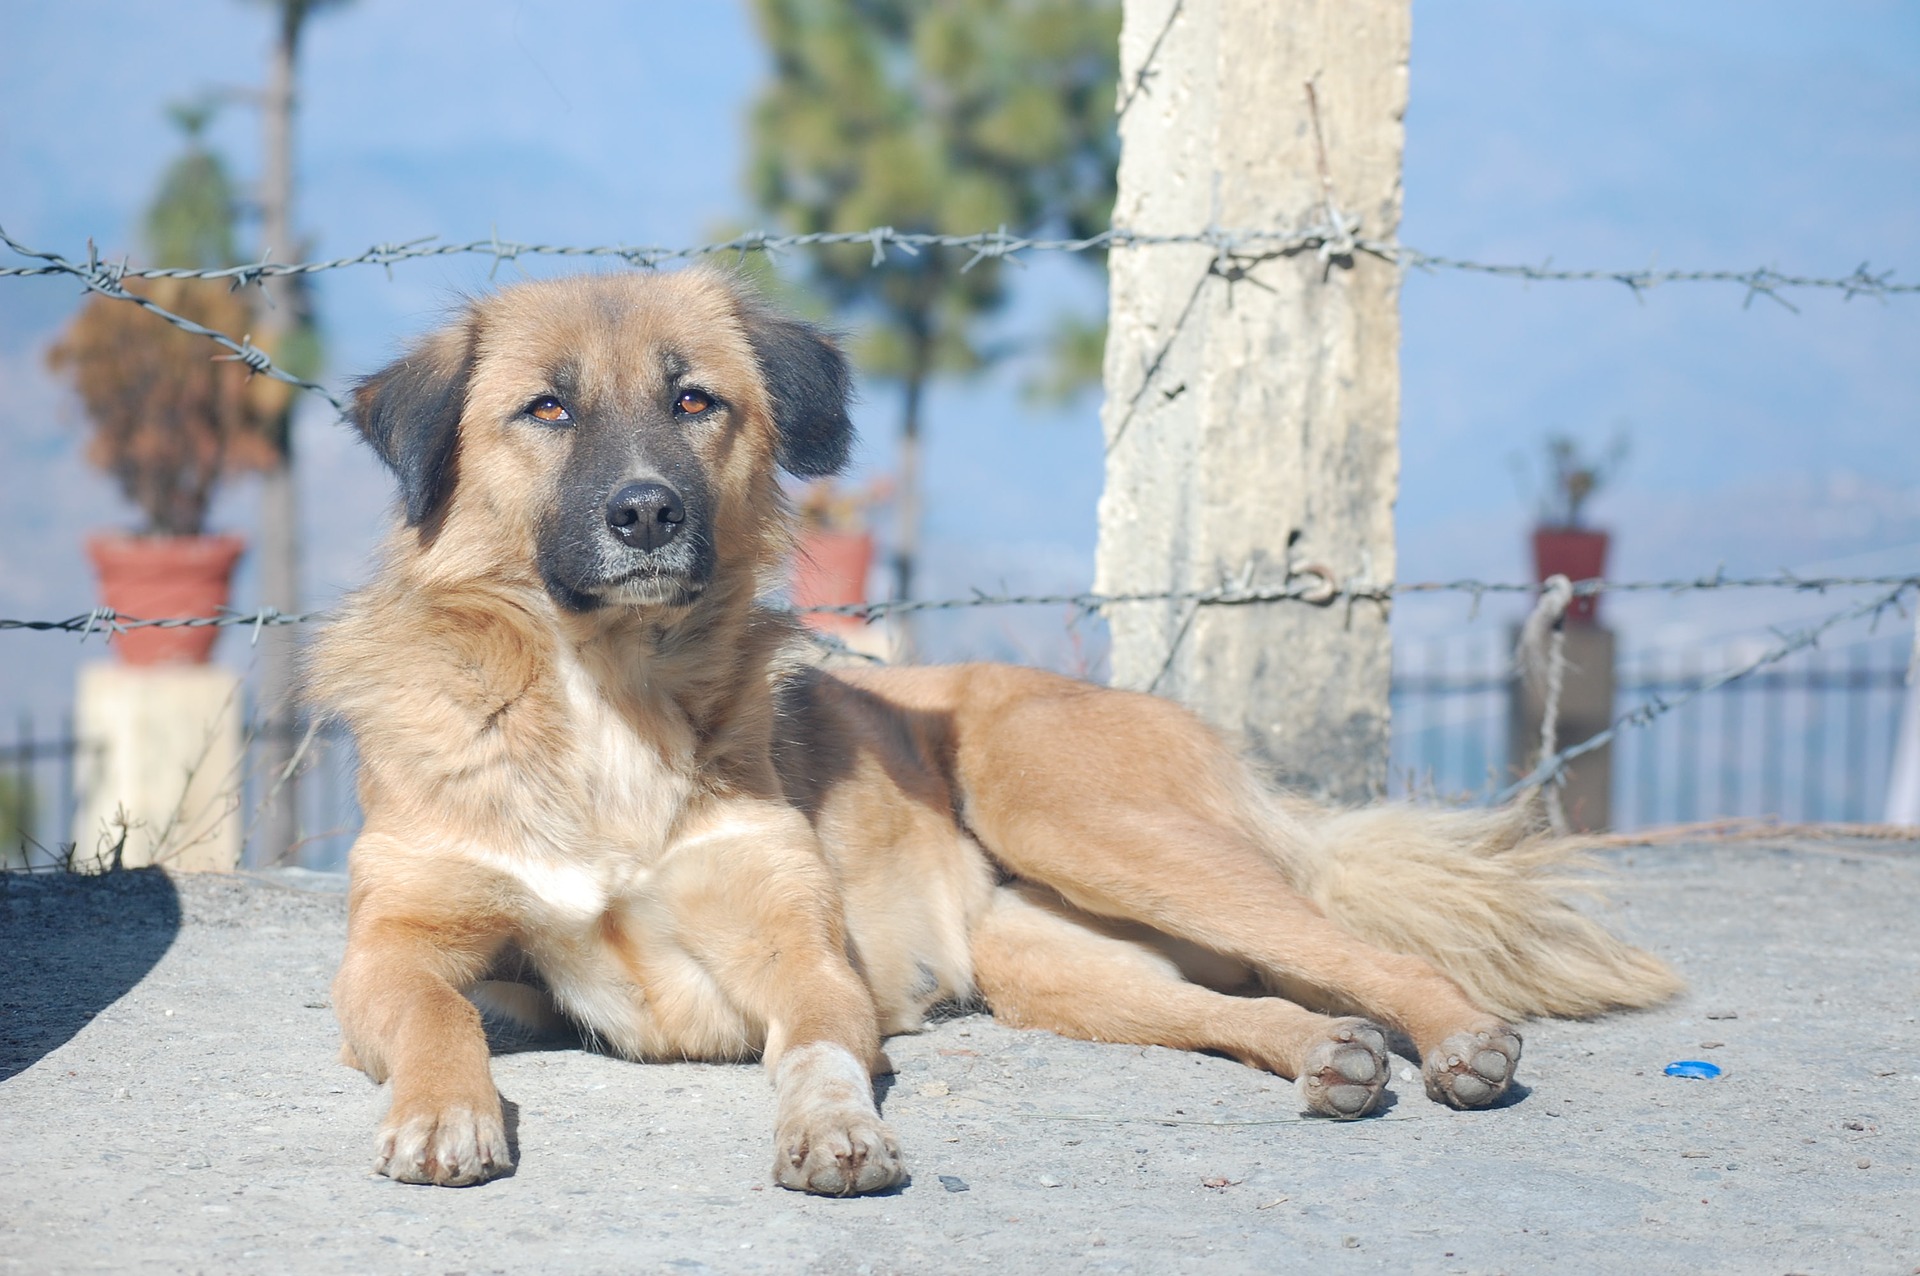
[[628, 787], [589, 870], [608, 809]]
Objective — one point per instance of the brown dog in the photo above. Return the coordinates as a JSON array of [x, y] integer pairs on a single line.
[[586, 746]]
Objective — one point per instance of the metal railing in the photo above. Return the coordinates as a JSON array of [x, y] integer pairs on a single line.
[[40, 798], [1808, 741], [37, 803]]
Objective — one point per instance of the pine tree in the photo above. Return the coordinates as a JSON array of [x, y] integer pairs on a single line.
[[952, 118]]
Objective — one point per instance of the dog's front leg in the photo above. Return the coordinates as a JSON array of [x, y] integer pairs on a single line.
[[752, 900], [403, 1017]]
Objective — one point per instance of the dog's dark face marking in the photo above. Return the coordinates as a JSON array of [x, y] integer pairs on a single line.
[[631, 518], [629, 426]]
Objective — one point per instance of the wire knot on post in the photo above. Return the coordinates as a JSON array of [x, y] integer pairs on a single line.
[[1541, 657]]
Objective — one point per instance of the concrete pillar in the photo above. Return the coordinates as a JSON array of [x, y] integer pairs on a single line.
[[1903, 783], [1252, 423], [160, 757]]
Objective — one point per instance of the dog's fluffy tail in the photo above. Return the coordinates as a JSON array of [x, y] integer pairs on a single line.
[[1485, 895]]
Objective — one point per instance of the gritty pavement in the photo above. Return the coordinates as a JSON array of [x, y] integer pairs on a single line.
[[170, 1102]]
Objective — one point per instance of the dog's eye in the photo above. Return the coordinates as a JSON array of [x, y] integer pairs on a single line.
[[692, 402], [550, 410]]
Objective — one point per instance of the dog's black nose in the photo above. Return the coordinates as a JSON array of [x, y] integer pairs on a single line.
[[646, 515]]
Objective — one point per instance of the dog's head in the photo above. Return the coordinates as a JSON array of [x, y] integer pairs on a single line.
[[622, 433]]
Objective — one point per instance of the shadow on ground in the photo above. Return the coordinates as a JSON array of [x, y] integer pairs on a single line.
[[70, 946]]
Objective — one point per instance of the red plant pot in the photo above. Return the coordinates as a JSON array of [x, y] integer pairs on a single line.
[[156, 577], [830, 570], [1578, 553]]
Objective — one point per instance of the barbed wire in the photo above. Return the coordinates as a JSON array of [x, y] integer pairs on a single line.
[[1245, 244], [1313, 586], [1761, 282], [105, 620], [1552, 768], [1142, 79], [105, 278], [1330, 235]]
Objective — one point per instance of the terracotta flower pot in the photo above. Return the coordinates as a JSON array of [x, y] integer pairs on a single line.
[[1578, 553], [830, 570], [155, 577]]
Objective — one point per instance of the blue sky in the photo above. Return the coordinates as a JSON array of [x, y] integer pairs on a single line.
[[1704, 134]]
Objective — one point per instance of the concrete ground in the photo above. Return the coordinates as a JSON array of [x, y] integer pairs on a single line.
[[170, 1102]]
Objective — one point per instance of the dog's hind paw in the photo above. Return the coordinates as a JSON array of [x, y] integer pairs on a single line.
[[838, 1154], [452, 1147], [1343, 1075], [1472, 1069]]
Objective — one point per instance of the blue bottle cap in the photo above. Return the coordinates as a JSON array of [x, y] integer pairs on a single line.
[[1698, 1068]]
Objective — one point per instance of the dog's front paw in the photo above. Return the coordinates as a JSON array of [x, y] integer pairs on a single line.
[[828, 1137], [1344, 1074], [452, 1146], [1472, 1069], [837, 1153]]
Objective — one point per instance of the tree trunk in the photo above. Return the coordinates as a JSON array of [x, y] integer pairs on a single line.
[[277, 709], [1251, 422], [906, 550]]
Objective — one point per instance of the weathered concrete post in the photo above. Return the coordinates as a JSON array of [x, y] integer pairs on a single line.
[[1252, 424], [160, 767]]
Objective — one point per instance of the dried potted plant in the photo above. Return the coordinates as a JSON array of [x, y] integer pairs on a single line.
[[835, 552], [167, 419], [1563, 545]]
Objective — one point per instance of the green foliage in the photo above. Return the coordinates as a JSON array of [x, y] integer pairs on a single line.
[[1573, 475], [1075, 351], [18, 815], [191, 219], [948, 118]]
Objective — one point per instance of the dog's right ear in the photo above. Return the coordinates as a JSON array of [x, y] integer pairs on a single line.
[[410, 412]]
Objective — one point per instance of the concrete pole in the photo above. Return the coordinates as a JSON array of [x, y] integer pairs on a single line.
[[158, 779], [279, 826], [1903, 784], [1252, 424]]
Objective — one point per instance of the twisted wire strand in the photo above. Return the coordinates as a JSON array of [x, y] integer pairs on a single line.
[[1312, 589], [1331, 235]]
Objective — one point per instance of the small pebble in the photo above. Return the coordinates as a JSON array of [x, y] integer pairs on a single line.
[[953, 1183], [1047, 1180], [1863, 1163], [1711, 1045], [1351, 1242]]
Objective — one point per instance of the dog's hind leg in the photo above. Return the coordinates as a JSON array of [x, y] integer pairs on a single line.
[[1204, 883], [1040, 963], [1129, 809]]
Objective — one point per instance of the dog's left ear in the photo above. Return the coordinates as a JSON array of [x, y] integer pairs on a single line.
[[810, 385]]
